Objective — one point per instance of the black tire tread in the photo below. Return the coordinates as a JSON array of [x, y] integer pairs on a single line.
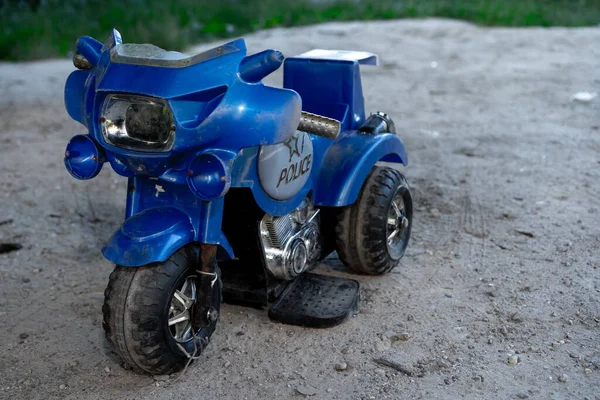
[[131, 322], [358, 236]]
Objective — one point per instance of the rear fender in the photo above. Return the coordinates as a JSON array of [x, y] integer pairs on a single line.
[[348, 162]]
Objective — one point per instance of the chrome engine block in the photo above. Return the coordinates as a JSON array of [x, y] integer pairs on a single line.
[[292, 243]]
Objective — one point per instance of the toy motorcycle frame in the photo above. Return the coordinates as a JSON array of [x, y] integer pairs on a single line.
[[235, 189]]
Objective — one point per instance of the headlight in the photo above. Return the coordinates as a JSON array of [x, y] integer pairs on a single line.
[[138, 123]]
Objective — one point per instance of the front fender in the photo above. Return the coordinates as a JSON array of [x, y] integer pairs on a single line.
[[149, 236], [347, 164]]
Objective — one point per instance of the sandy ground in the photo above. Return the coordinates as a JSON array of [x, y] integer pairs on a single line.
[[505, 170]]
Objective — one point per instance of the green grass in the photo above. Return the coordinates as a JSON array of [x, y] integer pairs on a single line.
[[51, 28]]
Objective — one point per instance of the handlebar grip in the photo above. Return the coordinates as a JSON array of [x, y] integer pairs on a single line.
[[257, 66], [90, 49]]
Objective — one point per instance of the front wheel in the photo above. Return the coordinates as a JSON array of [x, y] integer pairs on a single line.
[[149, 313], [372, 234]]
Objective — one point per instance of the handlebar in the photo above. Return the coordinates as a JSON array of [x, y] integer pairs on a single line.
[[257, 66]]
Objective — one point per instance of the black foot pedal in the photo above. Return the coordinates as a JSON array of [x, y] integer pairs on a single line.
[[316, 301]]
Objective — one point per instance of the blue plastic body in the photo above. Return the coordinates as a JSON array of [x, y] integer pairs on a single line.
[[223, 114], [328, 87]]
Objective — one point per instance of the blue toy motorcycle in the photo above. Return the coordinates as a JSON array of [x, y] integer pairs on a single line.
[[235, 189]]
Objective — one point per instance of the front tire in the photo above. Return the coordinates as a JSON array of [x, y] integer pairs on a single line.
[[372, 234], [148, 313]]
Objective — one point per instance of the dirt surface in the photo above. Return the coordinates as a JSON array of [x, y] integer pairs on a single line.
[[503, 263]]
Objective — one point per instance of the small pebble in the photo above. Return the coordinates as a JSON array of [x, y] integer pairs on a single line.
[[555, 344], [516, 318], [379, 371], [587, 371], [307, 390], [404, 336], [390, 335], [26, 280], [341, 366], [347, 350], [563, 378], [36, 270], [513, 360], [107, 370], [63, 386], [227, 364], [23, 336]]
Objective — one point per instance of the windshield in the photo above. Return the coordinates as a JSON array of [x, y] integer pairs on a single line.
[[148, 54]]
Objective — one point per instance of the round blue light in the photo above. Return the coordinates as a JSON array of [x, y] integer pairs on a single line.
[[83, 157], [208, 177]]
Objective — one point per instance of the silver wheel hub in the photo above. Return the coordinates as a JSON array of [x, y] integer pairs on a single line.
[[180, 311], [397, 222]]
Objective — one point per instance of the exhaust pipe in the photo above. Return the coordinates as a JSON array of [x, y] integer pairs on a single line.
[[319, 125]]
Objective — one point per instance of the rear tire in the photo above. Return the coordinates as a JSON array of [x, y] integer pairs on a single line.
[[138, 303], [365, 238]]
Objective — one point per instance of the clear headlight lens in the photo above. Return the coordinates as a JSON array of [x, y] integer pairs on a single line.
[[138, 123]]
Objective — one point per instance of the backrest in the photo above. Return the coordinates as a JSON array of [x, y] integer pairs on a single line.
[[328, 81]]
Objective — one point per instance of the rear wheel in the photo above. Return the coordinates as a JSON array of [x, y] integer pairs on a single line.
[[372, 234], [149, 313]]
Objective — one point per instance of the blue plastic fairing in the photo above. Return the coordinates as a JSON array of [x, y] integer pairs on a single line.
[[149, 236]]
